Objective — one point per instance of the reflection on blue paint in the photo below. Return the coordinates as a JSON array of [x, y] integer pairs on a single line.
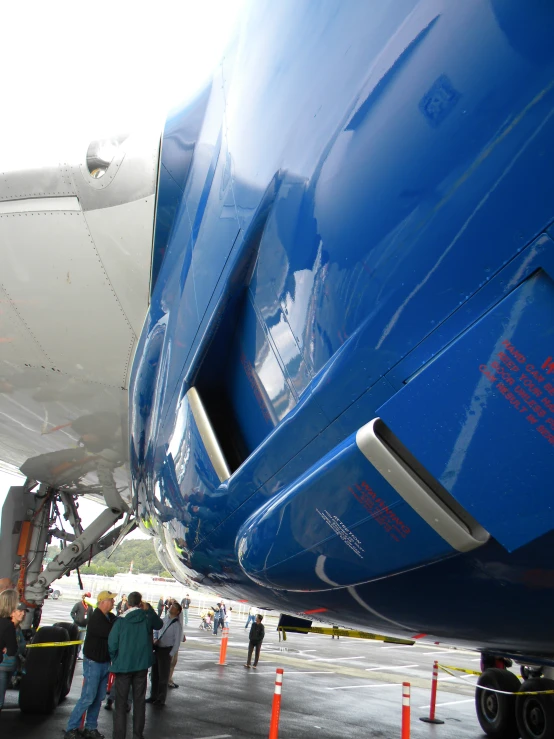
[[394, 166]]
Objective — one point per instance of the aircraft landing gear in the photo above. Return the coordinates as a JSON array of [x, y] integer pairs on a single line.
[[535, 713], [496, 712]]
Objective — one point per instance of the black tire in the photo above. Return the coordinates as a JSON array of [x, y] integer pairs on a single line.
[[69, 656], [55, 595], [496, 712], [42, 684], [535, 713]]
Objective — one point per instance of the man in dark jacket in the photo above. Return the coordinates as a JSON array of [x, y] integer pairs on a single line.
[[256, 637], [130, 646], [80, 614], [219, 617], [96, 668]]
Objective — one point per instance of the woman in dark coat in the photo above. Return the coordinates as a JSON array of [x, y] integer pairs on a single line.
[[8, 639]]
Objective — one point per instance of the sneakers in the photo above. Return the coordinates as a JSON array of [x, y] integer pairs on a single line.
[[72, 734], [91, 734], [247, 666], [172, 685], [151, 699]]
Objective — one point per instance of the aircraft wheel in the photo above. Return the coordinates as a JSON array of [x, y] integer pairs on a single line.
[[69, 656], [497, 712], [535, 713], [42, 684]]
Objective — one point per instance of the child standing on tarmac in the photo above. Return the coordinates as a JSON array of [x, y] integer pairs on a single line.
[[256, 637]]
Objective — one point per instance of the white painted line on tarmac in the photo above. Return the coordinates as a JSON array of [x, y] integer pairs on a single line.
[[305, 672], [397, 646], [216, 736], [440, 651], [334, 659], [450, 703], [375, 685], [389, 667]]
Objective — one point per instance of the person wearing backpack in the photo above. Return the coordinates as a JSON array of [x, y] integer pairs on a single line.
[[166, 646]]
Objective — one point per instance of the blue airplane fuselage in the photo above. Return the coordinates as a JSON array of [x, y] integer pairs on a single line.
[[354, 223]]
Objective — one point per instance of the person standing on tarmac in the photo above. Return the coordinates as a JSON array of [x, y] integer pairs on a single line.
[[219, 617], [80, 614], [8, 639], [227, 622], [122, 606], [185, 605], [251, 617], [130, 645], [96, 668], [256, 637], [166, 645]]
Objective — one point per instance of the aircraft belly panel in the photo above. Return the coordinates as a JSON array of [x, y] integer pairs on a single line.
[[480, 417], [339, 524]]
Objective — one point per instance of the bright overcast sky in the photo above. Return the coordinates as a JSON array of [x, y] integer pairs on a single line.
[[72, 70]]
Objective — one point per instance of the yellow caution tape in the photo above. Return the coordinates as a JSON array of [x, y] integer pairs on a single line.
[[341, 632], [459, 669], [493, 690], [54, 644]]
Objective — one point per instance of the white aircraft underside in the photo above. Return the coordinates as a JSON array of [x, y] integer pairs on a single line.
[[76, 245]]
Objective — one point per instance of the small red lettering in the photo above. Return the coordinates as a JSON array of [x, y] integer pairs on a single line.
[[530, 385], [518, 356], [543, 431]]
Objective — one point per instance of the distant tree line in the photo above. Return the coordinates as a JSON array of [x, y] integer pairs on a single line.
[[138, 551]]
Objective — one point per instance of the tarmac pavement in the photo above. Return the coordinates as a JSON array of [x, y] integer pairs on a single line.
[[332, 688]]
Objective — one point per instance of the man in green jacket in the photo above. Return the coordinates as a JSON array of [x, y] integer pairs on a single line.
[[131, 652]]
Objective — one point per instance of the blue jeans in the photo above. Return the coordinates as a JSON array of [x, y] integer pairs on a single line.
[[94, 691], [216, 624], [82, 634], [186, 615], [251, 619], [4, 682]]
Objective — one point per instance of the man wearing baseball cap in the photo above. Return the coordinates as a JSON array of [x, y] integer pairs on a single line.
[[96, 668]]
